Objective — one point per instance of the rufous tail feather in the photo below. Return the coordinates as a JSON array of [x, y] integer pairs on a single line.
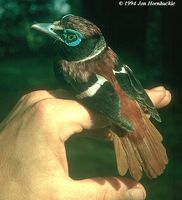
[[144, 154]]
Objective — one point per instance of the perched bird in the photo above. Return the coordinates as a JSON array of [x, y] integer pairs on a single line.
[[91, 70]]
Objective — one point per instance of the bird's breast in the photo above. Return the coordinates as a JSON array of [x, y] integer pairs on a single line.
[[76, 71]]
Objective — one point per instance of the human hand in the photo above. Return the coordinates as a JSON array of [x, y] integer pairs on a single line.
[[33, 163]]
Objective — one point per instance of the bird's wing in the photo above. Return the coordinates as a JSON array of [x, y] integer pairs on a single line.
[[101, 97], [134, 90]]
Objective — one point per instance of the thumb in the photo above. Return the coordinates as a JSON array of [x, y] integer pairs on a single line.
[[110, 188], [159, 96]]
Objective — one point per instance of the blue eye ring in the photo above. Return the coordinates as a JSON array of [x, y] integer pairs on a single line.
[[76, 41]]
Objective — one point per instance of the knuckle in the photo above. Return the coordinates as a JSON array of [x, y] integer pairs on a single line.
[[34, 96], [43, 107]]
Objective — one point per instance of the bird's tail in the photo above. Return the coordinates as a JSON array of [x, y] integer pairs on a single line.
[[140, 150]]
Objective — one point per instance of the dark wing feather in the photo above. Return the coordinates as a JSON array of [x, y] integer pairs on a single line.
[[135, 90], [102, 99], [107, 102]]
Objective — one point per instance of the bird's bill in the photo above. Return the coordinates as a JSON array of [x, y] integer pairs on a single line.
[[48, 29]]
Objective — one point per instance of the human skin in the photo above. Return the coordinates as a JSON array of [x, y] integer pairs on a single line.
[[33, 163]]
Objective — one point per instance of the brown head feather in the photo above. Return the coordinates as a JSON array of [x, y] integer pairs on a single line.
[[80, 24]]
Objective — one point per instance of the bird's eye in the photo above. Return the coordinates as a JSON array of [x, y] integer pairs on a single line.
[[72, 38]]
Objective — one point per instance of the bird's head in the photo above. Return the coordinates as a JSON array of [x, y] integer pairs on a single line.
[[78, 38]]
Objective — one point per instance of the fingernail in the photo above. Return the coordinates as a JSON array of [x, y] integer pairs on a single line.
[[168, 94], [135, 194], [159, 88]]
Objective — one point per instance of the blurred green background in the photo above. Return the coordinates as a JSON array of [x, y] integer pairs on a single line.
[[145, 38]]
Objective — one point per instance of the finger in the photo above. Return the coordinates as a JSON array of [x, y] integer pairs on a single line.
[[25, 102], [110, 188], [36, 96], [167, 98], [32, 98], [118, 188], [70, 116], [159, 96], [97, 120]]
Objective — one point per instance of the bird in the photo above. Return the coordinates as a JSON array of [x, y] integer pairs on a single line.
[[92, 71]]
